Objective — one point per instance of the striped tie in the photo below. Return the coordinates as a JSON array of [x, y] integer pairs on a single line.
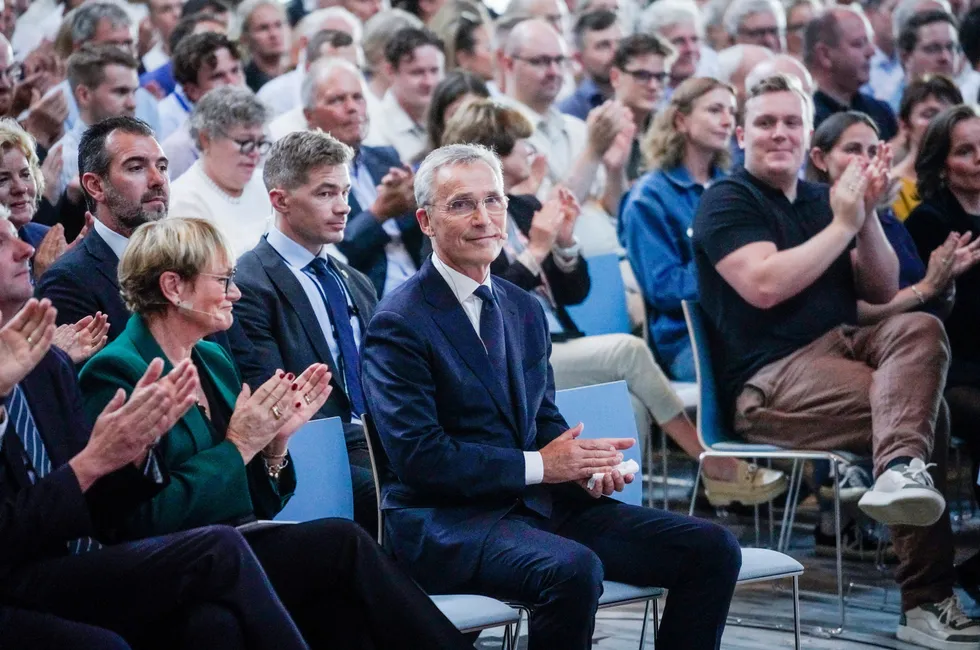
[[37, 455]]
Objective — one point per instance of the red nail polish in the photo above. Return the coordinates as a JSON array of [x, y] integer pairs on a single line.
[[295, 386], [281, 375], [290, 376], [298, 405]]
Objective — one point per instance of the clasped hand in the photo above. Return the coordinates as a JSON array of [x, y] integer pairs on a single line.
[[569, 458]]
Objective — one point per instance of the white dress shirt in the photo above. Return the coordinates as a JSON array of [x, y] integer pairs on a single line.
[[289, 122], [463, 287], [174, 110], [116, 242], [397, 130], [282, 94], [181, 151], [156, 57]]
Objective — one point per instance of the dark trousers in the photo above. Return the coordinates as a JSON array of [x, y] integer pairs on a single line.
[[557, 566], [202, 588], [27, 630], [344, 591]]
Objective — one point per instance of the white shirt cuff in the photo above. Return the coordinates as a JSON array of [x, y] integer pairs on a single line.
[[566, 259], [533, 468]]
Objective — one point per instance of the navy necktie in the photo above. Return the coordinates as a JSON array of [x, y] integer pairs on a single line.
[[26, 429], [492, 333], [336, 299]]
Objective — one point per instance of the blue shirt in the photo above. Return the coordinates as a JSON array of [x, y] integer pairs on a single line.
[[824, 106], [910, 266], [164, 76], [586, 97], [656, 225]]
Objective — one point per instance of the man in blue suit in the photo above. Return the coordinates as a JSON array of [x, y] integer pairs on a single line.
[[487, 490], [382, 239]]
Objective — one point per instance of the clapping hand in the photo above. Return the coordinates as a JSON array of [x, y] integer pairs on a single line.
[[531, 184], [568, 458], [570, 211], [24, 341], [618, 153], [611, 482], [396, 194], [49, 250], [603, 124], [847, 196], [966, 254], [83, 339], [877, 176]]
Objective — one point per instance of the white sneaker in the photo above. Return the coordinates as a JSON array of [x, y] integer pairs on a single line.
[[904, 495], [853, 480], [941, 626]]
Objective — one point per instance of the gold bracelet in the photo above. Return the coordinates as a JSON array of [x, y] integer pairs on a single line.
[[918, 294], [275, 470]]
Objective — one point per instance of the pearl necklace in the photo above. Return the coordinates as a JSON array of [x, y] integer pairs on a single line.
[[233, 200]]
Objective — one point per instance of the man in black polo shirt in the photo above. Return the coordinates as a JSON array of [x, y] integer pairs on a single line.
[[837, 49], [781, 265]]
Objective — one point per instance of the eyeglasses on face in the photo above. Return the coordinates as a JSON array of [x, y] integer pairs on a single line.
[[226, 280], [761, 32], [646, 76], [495, 205], [248, 146], [544, 61]]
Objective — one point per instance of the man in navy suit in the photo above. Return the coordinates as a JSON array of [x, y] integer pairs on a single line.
[[487, 491], [382, 239], [60, 487]]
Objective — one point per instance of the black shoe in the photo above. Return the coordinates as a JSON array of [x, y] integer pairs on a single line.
[[861, 547], [968, 576]]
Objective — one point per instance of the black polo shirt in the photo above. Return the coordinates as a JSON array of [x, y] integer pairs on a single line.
[[824, 106], [740, 210]]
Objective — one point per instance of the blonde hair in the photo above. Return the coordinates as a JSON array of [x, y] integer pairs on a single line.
[[485, 122], [183, 246], [12, 136], [663, 145]]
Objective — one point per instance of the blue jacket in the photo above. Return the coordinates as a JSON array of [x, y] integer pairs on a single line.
[[453, 436], [655, 229]]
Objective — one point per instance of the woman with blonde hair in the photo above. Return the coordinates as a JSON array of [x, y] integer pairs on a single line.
[[686, 150]]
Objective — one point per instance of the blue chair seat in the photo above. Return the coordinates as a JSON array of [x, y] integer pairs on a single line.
[[760, 564], [470, 613], [620, 593]]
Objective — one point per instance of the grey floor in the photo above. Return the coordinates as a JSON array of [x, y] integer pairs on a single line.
[[871, 614]]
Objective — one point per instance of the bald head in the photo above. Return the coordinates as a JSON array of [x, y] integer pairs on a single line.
[[534, 63], [781, 63], [737, 62], [554, 12]]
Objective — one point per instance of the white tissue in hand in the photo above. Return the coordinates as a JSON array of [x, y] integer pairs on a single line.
[[624, 468]]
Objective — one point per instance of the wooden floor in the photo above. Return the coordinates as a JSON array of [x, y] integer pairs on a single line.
[[872, 598]]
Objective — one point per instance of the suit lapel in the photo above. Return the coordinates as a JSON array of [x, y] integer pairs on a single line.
[[106, 261], [452, 320], [515, 365]]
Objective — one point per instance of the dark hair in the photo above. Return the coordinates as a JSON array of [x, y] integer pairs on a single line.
[[908, 39], [197, 51], [185, 27], [332, 37], [829, 133], [455, 84], [638, 45], [86, 66], [92, 154], [935, 85], [404, 43], [970, 38], [485, 122], [592, 21], [930, 164], [212, 6]]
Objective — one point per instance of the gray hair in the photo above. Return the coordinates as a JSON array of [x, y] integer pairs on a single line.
[[739, 10], [313, 23], [319, 72], [908, 8], [249, 7], [714, 11], [666, 13], [451, 156], [224, 108], [770, 67], [729, 61], [380, 28], [85, 20], [294, 156]]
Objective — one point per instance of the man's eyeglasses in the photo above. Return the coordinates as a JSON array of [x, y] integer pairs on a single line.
[[227, 280], [933, 49], [645, 76], [761, 32], [15, 72], [495, 205], [248, 146], [544, 61]]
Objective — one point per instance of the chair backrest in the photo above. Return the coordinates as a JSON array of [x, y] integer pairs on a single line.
[[379, 461], [607, 412], [604, 310], [323, 484], [713, 427]]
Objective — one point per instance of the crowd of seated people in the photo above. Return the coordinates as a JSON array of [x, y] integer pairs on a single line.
[[220, 220]]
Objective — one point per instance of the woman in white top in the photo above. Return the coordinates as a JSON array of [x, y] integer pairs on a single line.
[[225, 185]]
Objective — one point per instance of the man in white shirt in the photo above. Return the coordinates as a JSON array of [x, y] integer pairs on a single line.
[[886, 69], [679, 23], [416, 64], [164, 16], [382, 238]]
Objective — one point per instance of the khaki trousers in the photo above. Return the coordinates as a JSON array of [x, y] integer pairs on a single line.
[[870, 390]]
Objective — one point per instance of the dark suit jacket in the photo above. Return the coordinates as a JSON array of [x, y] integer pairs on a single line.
[[364, 238], [454, 439], [566, 288], [37, 520], [85, 280], [209, 483], [278, 319]]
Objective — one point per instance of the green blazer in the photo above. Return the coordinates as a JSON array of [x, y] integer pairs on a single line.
[[207, 480]]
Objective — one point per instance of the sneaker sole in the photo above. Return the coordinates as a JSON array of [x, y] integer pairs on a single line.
[[912, 635], [748, 498], [910, 507], [847, 495]]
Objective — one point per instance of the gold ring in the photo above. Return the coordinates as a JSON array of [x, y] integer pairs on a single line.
[[276, 413], [307, 398], [30, 341]]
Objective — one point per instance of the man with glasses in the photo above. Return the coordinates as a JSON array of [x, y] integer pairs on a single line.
[[596, 35], [484, 468], [837, 49], [757, 22], [641, 68], [928, 44]]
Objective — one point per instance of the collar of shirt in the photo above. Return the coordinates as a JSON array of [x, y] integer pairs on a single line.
[[552, 121], [114, 240], [884, 62], [589, 91], [681, 177], [294, 254], [805, 191], [397, 118], [462, 286]]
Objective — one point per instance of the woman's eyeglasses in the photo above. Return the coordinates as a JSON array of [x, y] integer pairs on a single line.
[[227, 280], [248, 146]]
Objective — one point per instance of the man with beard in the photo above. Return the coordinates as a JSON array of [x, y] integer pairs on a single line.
[[123, 174], [596, 35]]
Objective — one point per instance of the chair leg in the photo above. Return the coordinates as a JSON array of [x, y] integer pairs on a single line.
[[793, 506], [664, 460], [643, 628], [517, 628], [796, 612], [772, 524], [656, 620], [784, 530], [697, 484], [505, 643], [840, 556]]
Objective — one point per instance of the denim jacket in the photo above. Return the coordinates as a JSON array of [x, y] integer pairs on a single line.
[[655, 229]]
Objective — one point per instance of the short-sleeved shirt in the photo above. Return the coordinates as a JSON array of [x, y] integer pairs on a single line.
[[741, 210], [824, 106]]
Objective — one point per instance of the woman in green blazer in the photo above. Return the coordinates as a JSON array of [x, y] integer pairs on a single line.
[[226, 461]]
